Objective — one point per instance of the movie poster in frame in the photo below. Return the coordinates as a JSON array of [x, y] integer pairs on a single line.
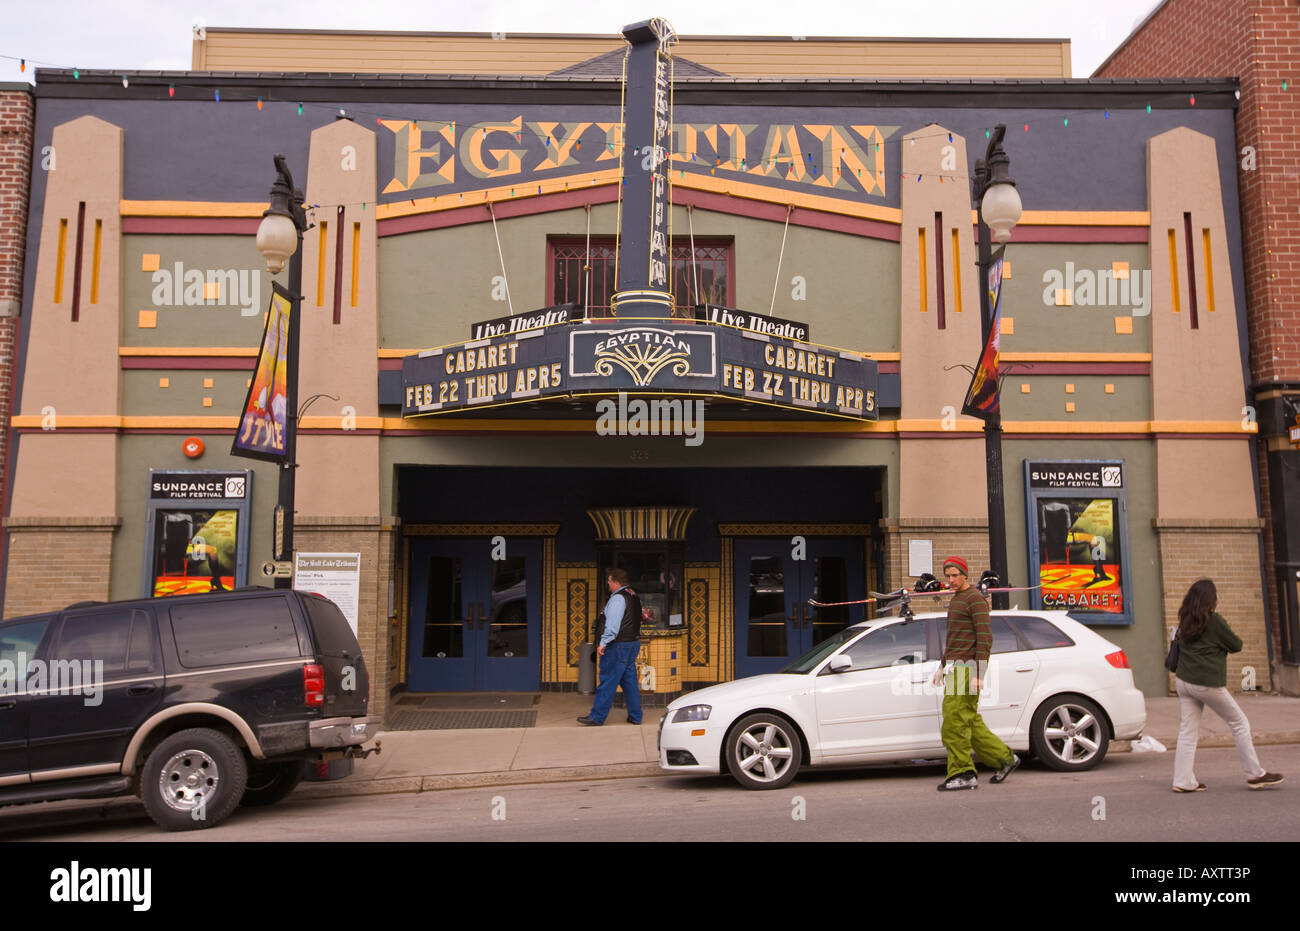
[[1077, 531]]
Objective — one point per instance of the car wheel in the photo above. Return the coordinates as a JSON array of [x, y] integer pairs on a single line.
[[1069, 733], [193, 779], [270, 782], [763, 751]]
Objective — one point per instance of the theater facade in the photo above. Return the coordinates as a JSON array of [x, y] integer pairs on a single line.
[[488, 420]]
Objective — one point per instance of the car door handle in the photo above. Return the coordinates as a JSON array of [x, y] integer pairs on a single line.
[[1024, 669], [142, 689], [6, 705]]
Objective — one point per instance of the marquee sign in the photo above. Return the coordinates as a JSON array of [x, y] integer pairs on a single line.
[[585, 359]]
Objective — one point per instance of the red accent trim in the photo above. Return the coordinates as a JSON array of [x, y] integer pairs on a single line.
[[1121, 234], [220, 226], [802, 216], [338, 266], [478, 213], [220, 363], [390, 365], [887, 368], [76, 263], [1074, 368]]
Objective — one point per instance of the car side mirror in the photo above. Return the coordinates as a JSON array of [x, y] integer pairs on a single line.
[[840, 663]]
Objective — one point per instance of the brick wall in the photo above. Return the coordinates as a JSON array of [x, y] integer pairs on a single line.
[[16, 124], [1228, 556], [1256, 42], [375, 544], [968, 539], [55, 562]]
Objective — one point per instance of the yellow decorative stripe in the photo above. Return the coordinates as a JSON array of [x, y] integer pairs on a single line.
[[1079, 218], [735, 188], [877, 356], [1075, 357], [521, 189], [185, 351], [191, 208]]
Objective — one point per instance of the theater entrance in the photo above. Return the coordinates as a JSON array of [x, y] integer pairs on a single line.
[[775, 578], [475, 620]]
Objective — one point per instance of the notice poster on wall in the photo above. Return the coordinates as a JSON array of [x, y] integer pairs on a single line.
[[1078, 538], [336, 576]]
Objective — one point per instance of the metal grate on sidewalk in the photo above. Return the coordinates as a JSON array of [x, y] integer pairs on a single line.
[[410, 720]]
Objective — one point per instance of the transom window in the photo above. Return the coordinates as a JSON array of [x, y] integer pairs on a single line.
[[708, 281]]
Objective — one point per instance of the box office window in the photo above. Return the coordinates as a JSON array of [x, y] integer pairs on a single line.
[[710, 280], [655, 573]]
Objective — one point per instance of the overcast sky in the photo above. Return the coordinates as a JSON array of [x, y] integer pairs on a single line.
[[156, 34]]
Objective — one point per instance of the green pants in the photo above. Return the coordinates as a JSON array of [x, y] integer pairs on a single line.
[[964, 730]]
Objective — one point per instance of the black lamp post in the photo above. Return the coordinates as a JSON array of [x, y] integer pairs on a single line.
[[279, 237], [994, 194]]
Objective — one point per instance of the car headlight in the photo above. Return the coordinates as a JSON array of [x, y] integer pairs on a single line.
[[692, 713]]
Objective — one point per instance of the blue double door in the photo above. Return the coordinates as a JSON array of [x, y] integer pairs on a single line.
[[775, 578], [475, 621]]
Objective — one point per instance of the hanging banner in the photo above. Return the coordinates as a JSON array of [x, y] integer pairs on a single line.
[[262, 422], [982, 398]]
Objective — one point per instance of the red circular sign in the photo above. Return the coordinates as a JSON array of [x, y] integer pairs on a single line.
[[192, 447]]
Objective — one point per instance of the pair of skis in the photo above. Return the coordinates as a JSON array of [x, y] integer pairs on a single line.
[[904, 595]]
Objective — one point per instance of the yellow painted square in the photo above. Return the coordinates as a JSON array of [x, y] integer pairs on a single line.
[[207, 383], [1007, 326], [1064, 297], [1119, 269], [1006, 269], [149, 262], [1110, 389], [1124, 325], [212, 290], [148, 320], [1069, 407], [1024, 387], [1069, 388], [207, 402], [164, 383]]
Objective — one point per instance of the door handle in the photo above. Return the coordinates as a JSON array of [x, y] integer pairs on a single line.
[[482, 615], [143, 689], [10, 703], [1024, 669]]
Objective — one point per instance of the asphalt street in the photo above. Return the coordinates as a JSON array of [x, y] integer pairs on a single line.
[[1128, 798]]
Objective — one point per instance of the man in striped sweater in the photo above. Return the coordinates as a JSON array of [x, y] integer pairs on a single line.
[[969, 642]]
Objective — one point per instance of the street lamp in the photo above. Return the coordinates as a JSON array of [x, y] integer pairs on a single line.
[[994, 193], [279, 237]]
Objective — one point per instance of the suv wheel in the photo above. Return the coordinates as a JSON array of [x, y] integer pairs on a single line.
[[270, 782], [193, 779]]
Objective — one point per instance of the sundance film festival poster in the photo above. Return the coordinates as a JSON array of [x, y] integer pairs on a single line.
[[262, 422], [1079, 554]]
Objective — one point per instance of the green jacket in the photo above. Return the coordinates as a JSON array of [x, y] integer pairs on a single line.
[[1204, 661]]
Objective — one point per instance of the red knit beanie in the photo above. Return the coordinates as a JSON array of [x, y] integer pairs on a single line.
[[959, 563]]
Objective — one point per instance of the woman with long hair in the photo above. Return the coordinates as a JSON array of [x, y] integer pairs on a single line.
[[1204, 642]]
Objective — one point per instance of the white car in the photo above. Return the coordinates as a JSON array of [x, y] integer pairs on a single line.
[[865, 695]]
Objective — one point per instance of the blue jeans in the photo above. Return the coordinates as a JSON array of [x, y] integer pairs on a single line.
[[618, 667]]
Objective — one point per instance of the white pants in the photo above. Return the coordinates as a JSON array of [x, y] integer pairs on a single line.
[[1192, 699]]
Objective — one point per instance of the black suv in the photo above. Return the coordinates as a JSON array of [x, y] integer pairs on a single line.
[[196, 703]]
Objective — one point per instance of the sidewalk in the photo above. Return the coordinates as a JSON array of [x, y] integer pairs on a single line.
[[558, 749]]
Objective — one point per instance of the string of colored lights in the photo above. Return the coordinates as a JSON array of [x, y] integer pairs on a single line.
[[555, 185]]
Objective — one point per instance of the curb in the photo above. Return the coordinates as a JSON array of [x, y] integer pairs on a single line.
[[1214, 741], [476, 780]]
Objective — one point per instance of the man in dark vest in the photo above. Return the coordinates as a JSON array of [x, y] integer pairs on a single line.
[[618, 646]]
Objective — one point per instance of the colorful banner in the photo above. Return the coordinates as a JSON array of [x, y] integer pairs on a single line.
[[982, 398], [1079, 554], [262, 424]]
